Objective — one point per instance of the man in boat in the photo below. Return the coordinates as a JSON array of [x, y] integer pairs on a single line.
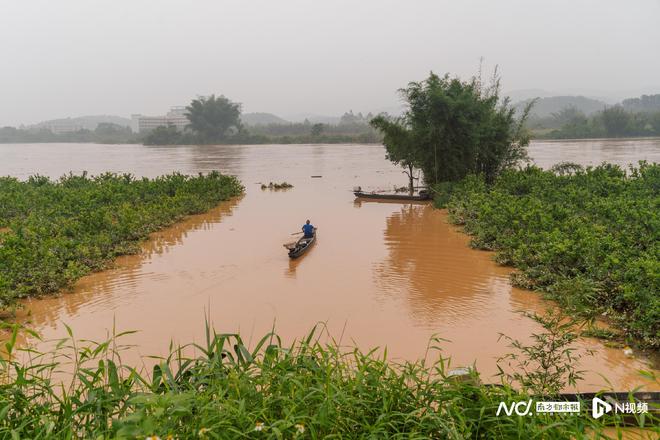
[[308, 229]]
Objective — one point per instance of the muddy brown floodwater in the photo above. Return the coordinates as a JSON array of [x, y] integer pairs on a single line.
[[381, 274]]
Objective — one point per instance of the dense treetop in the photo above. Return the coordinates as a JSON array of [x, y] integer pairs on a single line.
[[453, 128]]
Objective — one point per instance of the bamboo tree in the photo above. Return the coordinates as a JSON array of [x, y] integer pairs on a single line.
[[453, 128]]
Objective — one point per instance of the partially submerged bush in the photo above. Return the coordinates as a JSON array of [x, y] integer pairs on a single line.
[[545, 367], [589, 238], [276, 186], [61, 230]]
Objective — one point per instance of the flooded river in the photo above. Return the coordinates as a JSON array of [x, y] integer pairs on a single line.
[[380, 274]]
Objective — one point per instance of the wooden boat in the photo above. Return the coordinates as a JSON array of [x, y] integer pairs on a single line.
[[422, 195], [299, 247]]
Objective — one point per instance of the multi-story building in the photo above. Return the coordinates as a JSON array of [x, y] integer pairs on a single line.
[[175, 117]]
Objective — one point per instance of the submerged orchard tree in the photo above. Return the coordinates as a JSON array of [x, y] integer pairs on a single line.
[[317, 129], [400, 145], [568, 115], [615, 120], [214, 119], [453, 128], [163, 135]]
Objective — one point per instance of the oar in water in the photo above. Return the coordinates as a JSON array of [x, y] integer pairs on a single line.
[[293, 243], [296, 233]]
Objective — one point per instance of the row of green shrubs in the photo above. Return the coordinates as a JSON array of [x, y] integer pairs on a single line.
[[306, 390], [54, 232], [590, 238]]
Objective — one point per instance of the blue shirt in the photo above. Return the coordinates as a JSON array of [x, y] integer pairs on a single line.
[[308, 230]]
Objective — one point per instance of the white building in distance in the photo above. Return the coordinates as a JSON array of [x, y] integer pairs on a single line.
[[175, 117]]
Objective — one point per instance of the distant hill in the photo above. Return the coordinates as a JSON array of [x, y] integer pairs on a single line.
[[527, 94], [347, 117], [645, 103], [262, 119], [545, 107], [87, 122], [314, 118]]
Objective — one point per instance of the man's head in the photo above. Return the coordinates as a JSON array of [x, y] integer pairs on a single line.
[[307, 222]]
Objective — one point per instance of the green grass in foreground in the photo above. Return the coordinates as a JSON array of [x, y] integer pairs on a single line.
[[308, 390], [588, 238], [57, 231]]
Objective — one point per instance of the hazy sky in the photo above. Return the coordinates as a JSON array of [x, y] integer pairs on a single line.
[[75, 57]]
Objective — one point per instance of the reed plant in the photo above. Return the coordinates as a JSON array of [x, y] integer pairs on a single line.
[[310, 389]]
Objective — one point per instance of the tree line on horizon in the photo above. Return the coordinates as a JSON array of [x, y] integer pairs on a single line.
[[213, 120], [611, 122], [218, 120], [104, 133]]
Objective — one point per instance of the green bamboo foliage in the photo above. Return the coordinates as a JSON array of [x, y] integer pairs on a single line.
[[452, 128]]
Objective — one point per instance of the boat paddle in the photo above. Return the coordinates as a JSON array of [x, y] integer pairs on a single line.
[[293, 243], [296, 233]]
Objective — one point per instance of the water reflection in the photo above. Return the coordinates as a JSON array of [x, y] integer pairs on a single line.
[[290, 272], [442, 282], [462, 296], [130, 272], [229, 159]]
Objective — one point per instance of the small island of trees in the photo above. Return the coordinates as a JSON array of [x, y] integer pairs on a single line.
[[453, 128]]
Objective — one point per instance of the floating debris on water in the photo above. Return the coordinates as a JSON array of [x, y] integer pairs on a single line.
[[271, 185]]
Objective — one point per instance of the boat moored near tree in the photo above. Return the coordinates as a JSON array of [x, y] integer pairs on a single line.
[[421, 195]]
